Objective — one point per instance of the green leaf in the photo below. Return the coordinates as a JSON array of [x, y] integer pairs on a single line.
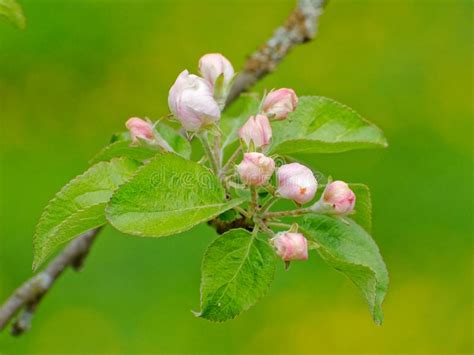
[[363, 206], [322, 125], [169, 195], [348, 248], [236, 115], [123, 148], [237, 271], [12, 12], [177, 142], [79, 206]]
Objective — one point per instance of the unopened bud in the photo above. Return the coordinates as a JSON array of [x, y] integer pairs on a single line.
[[257, 130], [139, 129], [213, 65], [340, 197], [191, 101], [290, 246], [280, 103], [296, 182], [256, 169]]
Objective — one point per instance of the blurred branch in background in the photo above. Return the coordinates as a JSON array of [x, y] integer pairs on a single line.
[[11, 11], [300, 27], [29, 294]]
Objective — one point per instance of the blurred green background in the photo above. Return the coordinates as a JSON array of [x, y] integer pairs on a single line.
[[82, 68]]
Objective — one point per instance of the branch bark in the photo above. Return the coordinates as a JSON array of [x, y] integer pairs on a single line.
[[300, 27], [29, 294]]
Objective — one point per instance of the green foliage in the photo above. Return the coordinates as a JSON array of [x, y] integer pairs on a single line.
[[349, 249], [322, 125], [363, 206], [237, 271], [12, 12], [79, 206], [169, 195], [123, 148], [176, 141]]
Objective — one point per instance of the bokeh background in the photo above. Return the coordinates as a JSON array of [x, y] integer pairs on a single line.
[[82, 67]]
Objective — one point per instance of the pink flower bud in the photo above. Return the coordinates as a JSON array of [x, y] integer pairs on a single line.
[[280, 103], [256, 129], [212, 65], [296, 182], [340, 197], [139, 129], [191, 101], [256, 169], [290, 246]]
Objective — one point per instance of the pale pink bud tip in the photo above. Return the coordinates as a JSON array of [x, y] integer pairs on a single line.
[[191, 101], [296, 182], [257, 130], [140, 129], [280, 103], [340, 197], [256, 169], [290, 246], [212, 65]]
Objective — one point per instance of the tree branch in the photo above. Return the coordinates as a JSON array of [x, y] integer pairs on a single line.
[[300, 27], [29, 294]]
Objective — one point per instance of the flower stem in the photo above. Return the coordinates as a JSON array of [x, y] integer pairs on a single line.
[[242, 211], [264, 228], [230, 161], [279, 225], [217, 149], [254, 200], [297, 212], [210, 155], [268, 204]]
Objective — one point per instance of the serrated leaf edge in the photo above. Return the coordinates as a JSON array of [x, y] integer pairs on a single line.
[[372, 308], [199, 314], [383, 144], [38, 261], [48, 207]]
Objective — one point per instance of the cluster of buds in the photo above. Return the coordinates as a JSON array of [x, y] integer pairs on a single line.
[[295, 181], [257, 131], [197, 102]]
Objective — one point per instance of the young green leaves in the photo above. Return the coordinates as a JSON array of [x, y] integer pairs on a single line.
[[170, 193], [79, 206], [237, 271], [167, 196], [322, 125], [349, 248]]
